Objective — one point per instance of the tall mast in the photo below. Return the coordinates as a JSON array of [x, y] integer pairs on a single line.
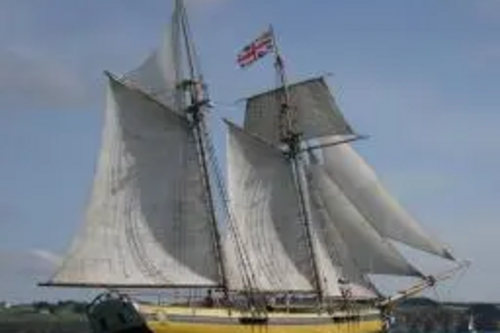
[[291, 137], [195, 86]]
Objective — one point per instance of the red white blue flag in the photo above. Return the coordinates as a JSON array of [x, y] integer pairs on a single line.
[[261, 46]]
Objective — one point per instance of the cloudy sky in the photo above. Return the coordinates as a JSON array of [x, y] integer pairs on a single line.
[[421, 78]]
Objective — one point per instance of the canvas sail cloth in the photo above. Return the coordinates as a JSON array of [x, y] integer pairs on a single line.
[[265, 207], [319, 117], [360, 185], [312, 105], [357, 244], [354, 281], [147, 222], [161, 72]]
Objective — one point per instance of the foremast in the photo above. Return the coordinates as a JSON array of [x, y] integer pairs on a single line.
[[153, 186], [292, 138], [196, 109]]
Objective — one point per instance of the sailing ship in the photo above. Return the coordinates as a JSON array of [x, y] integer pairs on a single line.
[[287, 244], [471, 325]]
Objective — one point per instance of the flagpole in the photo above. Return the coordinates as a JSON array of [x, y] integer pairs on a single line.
[[286, 121]]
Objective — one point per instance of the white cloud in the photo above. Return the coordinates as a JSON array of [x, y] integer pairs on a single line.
[[33, 262], [48, 256], [21, 271]]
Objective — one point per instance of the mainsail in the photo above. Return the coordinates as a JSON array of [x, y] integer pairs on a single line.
[[147, 222], [265, 205], [265, 199]]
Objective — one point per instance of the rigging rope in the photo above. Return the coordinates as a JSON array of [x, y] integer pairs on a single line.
[[213, 166], [244, 262], [458, 279]]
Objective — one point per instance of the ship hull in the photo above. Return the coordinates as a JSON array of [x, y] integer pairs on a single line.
[[369, 326], [221, 321]]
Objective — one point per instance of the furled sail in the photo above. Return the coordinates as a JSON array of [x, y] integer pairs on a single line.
[[365, 248], [360, 185], [147, 222], [268, 225], [311, 104]]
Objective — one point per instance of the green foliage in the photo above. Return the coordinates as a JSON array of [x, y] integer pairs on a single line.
[[41, 311]]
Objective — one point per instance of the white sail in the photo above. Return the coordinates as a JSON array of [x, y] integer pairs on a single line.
[[328, 271], [147, 222], [312, 105], [160, 74], [361, 186], [471, 325], [366, 249], [266, 213], [353, 280]]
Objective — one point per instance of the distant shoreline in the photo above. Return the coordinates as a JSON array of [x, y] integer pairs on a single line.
[[413, 314]]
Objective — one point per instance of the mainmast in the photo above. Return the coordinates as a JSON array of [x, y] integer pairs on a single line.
[[288, 117], [291, 138], [198, 103]]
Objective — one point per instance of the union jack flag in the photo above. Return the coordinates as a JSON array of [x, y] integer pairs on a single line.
[[261, 46]]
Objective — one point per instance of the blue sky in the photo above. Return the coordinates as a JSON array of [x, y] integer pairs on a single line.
[[421, 78]]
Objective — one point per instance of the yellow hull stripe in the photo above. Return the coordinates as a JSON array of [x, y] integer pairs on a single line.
[[362, 326]]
